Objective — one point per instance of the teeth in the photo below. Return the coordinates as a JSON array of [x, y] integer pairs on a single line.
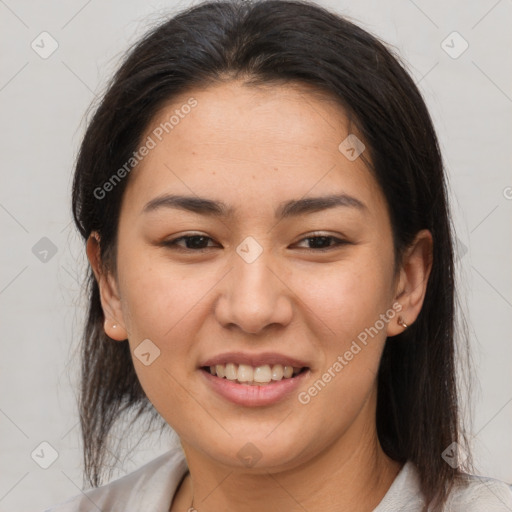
[[219, 370], [277, 372], [230, 371], [260, 375], [245, 373], [287, 372]]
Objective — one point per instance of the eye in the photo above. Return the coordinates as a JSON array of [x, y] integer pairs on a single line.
[[323, 242], [195, 243], [199, 243]]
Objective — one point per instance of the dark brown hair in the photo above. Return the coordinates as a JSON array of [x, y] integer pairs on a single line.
[[277, 42]]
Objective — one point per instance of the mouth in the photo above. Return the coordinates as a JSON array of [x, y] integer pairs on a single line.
[[253, 380], [263, 375]]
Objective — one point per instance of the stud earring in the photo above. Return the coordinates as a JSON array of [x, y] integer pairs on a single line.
[[114, 326], [401, 322]]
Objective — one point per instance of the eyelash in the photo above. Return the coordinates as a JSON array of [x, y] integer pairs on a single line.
[[173, 243]]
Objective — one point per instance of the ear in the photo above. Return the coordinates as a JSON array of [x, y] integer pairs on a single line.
[[110, 301], [412, 281]]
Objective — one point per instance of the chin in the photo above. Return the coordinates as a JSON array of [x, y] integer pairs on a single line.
[[256, 453]]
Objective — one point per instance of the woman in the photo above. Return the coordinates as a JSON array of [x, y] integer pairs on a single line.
[[264, 208]]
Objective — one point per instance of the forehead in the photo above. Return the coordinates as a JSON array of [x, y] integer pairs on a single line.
[[253, 142]]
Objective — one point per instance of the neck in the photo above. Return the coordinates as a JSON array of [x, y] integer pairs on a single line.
[[353, 473]]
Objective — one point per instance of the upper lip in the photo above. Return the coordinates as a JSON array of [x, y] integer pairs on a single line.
[[269, 358]]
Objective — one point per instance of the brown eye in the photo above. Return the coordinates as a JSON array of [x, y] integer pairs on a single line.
[[323, 242], [192, 242]]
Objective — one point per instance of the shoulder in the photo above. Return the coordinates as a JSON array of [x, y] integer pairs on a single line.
[[471, 493], [151, 487], [476, 493]]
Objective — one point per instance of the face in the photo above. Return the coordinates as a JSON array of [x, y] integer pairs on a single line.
[[262, 272]]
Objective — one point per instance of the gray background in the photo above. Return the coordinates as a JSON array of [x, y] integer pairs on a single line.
[[44, 101]]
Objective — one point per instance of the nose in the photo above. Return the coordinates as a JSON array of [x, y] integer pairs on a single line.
[[254, 297]]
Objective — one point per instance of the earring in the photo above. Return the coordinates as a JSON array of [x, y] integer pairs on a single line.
[[114, 326], [402, 322]]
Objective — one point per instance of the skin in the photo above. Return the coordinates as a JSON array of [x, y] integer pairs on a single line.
[[253, 148]]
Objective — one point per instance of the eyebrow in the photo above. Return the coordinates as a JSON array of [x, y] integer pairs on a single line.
[[291, 208]]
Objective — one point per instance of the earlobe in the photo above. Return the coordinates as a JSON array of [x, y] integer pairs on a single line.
[[114, 330], [412, 282], [402, 322], [397, 325], [110, 302]]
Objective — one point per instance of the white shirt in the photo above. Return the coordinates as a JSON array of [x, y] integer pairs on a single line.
[[151, 488]]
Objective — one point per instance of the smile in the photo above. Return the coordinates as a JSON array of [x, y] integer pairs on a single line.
[[253, 376], [250, 393]]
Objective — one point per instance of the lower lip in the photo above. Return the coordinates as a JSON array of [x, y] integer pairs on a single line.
[[253, 396]]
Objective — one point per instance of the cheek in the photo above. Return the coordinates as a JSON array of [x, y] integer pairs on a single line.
[[349, 301], [164, 303], [159, 296], [347, 296]]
